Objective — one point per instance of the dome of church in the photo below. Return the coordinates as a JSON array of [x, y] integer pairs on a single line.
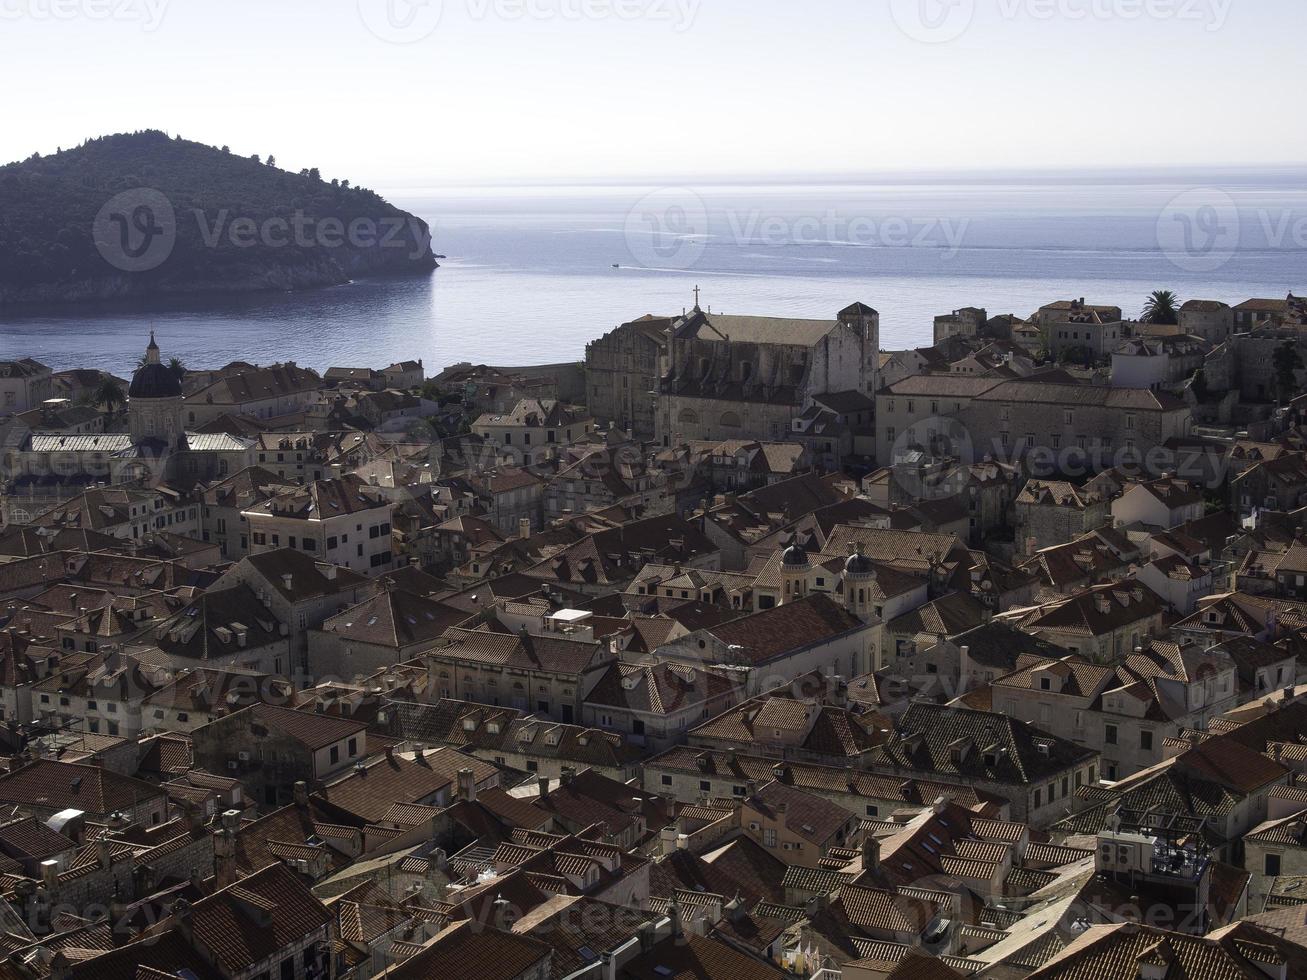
[[794, 555], [858, 564], [153, 379]]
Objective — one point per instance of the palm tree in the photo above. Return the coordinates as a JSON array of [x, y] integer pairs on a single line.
[[1162, 308], [178, 368], [109, 393]]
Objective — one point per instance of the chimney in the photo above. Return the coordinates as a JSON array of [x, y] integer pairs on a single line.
[[286, 580], [568, 775], [301, 793], [542, 784], [524, 528], [648, 936], [839, 697], [870, 852], [674, 913], [467, 786], [224, 850], [50, 876], [181, 911]]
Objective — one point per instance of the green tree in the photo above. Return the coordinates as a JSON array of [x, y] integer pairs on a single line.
[[178, 368], [109, 393], [1162, 307]]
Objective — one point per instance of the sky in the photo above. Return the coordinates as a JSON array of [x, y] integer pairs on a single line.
[[397, 93]]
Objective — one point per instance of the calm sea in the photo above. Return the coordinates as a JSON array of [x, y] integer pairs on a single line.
[[533, 273]]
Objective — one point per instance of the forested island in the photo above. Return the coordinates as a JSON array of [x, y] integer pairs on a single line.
[[147, 214]]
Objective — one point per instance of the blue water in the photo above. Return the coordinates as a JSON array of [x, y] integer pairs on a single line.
[[530, 272]]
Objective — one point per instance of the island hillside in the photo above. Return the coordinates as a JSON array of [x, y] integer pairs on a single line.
[[145, 214]]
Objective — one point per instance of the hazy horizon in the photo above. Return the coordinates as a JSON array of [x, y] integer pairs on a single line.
[[398, 93]]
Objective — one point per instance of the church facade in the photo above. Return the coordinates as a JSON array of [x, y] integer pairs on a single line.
[[746, 377]]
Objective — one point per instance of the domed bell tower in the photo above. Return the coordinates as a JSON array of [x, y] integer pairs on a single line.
[[795, 566], [154, 401], [859, 582]]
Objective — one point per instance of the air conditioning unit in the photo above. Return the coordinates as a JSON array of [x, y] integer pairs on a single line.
[[233, 764], [243, 756], [1124, 853]]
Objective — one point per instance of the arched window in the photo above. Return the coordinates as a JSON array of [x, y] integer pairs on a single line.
[[730, 420], [688, 417]]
